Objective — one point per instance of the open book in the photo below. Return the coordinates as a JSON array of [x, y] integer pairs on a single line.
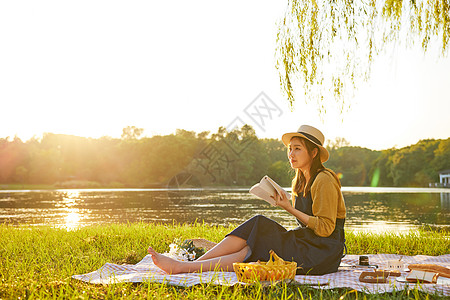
[[266, 188]]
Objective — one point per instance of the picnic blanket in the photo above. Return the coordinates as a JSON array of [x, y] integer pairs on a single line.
[[346, 277]]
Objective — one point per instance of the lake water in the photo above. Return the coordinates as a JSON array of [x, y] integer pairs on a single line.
[[368, 209]]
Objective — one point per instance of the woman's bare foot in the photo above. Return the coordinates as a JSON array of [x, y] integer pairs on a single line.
[[167, 264]]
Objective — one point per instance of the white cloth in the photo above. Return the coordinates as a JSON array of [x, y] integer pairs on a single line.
[[346, 277]]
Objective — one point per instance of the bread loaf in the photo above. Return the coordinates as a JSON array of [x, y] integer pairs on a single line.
[[443, 271]]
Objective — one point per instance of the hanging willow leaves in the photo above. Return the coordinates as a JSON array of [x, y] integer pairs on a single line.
[[328, 46]]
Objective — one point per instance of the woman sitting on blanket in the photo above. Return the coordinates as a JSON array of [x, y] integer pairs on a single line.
[[317, 245]]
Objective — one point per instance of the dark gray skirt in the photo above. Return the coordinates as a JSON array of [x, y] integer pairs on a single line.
[[314, 255]]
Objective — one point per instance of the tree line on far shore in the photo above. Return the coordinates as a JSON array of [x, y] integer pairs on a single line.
[[190, 159]]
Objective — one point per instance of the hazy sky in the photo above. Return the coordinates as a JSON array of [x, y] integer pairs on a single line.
[[91, 68]]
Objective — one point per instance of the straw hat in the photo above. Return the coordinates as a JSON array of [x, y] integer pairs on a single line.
[[313, 135]]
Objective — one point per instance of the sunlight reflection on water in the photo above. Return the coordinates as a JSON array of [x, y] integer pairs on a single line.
[[73, 215]]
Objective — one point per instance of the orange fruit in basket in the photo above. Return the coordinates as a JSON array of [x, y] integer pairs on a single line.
[[271, 275], [282, 273], [247, 273], [262, 274]]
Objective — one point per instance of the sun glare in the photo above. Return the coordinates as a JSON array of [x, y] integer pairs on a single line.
[[72, 214], [72, 219]]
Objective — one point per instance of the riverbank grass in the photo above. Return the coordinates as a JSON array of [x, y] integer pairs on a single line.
[[38, 262]]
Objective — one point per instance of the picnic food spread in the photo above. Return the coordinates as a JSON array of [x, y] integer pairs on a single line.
[[274, 269], [379, 276], [423, 273]]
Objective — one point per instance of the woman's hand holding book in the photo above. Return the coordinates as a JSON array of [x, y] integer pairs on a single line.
[[282, 201]]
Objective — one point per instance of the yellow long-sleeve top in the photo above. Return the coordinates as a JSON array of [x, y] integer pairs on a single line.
[[328, 204]]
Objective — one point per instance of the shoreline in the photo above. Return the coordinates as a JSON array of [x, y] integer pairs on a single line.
[[345, 189]]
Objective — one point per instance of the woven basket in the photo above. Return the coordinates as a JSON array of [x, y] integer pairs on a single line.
[[278, 269]]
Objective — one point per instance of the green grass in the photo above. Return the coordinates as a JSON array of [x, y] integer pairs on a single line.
[[38, 262]]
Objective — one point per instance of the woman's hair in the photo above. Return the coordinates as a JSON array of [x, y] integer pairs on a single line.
[[299, 184]]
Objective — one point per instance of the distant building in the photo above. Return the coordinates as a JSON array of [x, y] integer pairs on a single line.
[[444, 178]]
